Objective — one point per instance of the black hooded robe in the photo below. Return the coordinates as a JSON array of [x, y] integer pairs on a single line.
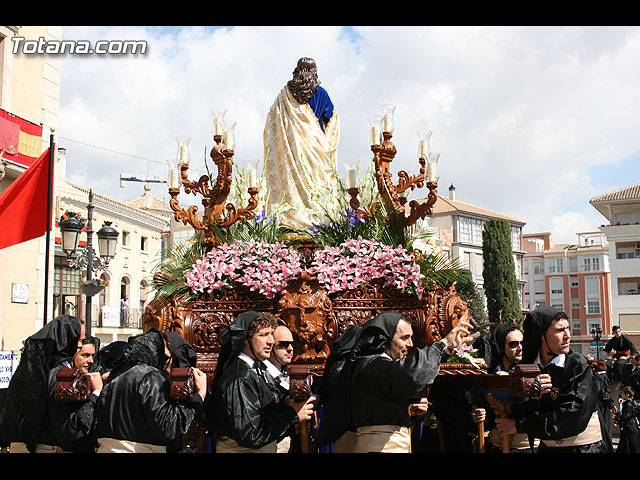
[[135, 404], [245, 405], [629, 430], [26, 402], [566, 411], [372, 388]]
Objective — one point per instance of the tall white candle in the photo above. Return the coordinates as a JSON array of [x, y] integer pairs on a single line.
[[228, 140], [424, 149], [352, 178], [375, 136], [183, 155], [219, 129], [387, 123], [252, 178], [174, 179], [431, 173]]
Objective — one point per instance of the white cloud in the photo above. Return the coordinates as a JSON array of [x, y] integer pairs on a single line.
[[520, 115]]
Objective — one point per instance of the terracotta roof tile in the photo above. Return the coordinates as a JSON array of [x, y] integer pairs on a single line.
[[627, 193], [444, 205]]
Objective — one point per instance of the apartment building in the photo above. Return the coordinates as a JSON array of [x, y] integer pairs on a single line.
[[621, 208], [460, 227], [573, 278]]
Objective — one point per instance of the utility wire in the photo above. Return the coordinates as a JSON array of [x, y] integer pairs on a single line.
[[120, 153]]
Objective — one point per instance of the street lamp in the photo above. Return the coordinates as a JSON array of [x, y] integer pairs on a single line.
[[70, 227], [596, 334]]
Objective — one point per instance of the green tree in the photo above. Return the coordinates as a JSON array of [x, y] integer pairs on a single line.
[[468, 291], [499, 273]]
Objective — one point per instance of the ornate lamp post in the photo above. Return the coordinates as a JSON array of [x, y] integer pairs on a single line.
[[596, 334], [70, 227]]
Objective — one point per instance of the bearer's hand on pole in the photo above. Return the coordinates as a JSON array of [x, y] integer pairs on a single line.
[[304, 409], [478, 415]]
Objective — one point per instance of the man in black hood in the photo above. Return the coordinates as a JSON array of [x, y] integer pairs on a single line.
[[247, 412], [566, 418], [135, 412], [26, 425], [376, 392]]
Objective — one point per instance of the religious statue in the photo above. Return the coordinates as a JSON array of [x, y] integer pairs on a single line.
[[301, 137]]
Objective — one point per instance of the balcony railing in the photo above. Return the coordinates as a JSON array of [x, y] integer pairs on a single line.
[[129, 318]]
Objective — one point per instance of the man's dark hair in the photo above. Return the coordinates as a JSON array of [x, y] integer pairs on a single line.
[[615, 328], [88, 340], [629, 391], [264, 320], [560, 316]]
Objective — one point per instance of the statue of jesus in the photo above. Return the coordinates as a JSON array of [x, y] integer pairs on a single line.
[[301, 137]]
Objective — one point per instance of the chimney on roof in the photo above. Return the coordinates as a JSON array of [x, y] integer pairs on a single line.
[[452, 192]]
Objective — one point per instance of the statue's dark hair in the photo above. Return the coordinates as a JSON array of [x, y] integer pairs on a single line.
[[305, 81]]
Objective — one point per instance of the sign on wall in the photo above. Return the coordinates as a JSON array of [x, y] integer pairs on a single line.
[[9, 360]]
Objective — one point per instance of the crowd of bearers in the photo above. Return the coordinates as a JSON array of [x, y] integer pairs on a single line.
[[372, 394]]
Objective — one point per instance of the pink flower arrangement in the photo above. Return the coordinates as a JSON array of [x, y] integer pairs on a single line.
[[260, 266], [358, 261], [464, 353], [267, 267]]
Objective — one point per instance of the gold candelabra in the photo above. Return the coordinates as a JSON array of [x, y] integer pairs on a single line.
[[383, 155], [216, 210]]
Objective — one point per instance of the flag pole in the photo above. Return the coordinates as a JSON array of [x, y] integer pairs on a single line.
[[48, 230]]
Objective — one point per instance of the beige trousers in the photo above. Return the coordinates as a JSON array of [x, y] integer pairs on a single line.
[[229, 445], [111, 445], [383, 438]]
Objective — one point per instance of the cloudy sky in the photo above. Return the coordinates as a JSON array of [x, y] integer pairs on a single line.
[[531, 122]]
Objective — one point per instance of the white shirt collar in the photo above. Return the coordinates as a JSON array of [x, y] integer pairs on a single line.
[[558, 360], [246, 358], [275, 373], [272, 369]]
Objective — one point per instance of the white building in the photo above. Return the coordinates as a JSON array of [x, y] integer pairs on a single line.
[[30, 91], [460, 226], [621, 208], [130, 272]]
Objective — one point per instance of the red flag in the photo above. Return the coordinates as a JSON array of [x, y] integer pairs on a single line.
[[23, 205]]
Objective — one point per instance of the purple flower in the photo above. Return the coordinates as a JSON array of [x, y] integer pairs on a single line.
[[353, 218], [261, 216]]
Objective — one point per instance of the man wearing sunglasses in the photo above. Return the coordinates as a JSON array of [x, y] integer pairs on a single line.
[[281, 355], [280, 358], [504, 352]]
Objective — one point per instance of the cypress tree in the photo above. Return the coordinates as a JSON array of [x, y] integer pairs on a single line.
[[500, 283], [468, 291]]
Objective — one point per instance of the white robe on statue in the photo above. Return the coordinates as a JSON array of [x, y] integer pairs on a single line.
[[300, 161]]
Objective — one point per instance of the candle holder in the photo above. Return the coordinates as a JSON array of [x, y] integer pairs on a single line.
[[383, 155], [216, 211]]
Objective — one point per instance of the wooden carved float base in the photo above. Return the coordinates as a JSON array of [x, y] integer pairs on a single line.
[[314, 317]]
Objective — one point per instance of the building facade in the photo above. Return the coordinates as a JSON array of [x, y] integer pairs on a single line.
[[621, 208], [116, 312], [460, 227], [30, 97], [573, 278]]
